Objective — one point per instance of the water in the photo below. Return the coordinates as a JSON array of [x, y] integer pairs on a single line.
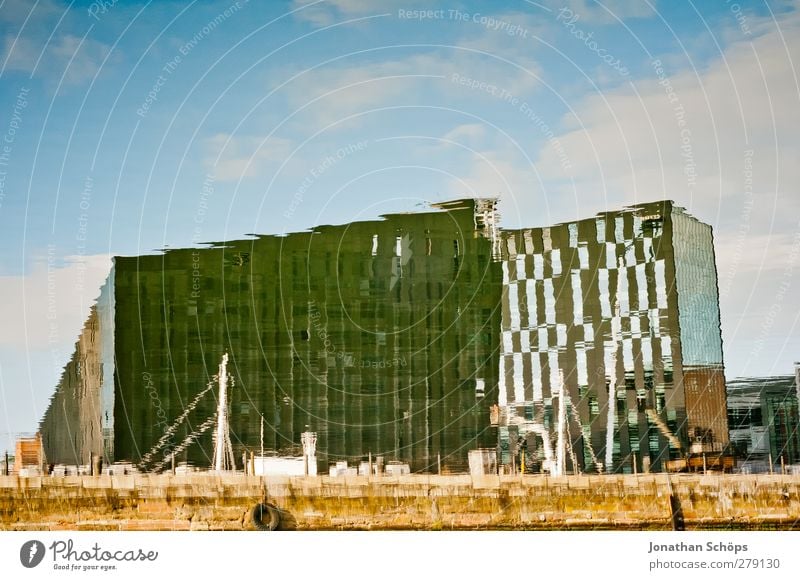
[[375, 335], [416, 337]]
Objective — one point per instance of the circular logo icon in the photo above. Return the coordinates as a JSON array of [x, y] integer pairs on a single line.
[[31, 553]]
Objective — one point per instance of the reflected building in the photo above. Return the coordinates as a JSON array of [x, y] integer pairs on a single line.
[[611, 355], [417, 337], [380, 336], [764, 422], [79, 421]]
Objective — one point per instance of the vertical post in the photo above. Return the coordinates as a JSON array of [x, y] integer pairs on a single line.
[[222, 436], [5, 465], [770, 463], [172, 463], [40, 453], [611, 411], [369, 464], [561, 426], [635, 467], [705, 465], [262, 435], [783, 466], [439, 463]]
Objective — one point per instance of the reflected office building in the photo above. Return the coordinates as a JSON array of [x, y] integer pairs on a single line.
[[380, 336], [611, 355], [764, 423], [417, 337]]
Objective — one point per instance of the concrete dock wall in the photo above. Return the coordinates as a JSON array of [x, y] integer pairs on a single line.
[[213, 502]]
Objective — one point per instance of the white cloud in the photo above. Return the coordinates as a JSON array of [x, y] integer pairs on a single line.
[[80, 60], [231, 157], [514, 66], [344, 90], [17, 11], [605, 11], [483, 52], [478, 52], [329, 11], [473, 133], [503, 172], [31, 50], [47, 40]]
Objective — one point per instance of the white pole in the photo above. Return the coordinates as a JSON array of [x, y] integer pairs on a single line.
[[612, 412], [560, 438], [262, 435], [612, 393], [222, 414]]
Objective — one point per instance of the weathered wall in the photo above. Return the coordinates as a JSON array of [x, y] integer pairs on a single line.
[[201, 502]]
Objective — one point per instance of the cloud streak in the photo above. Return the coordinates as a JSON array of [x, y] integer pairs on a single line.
[[40, 45], [232, 157]]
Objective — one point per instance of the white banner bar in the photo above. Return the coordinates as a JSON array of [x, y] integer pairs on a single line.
[[389, 555]]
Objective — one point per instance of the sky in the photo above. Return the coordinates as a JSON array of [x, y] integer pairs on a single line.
[[127, 127]]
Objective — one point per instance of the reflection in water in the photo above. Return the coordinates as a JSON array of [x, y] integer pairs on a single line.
[[397, 337], [619, 308], [375, 335], [763, 419]]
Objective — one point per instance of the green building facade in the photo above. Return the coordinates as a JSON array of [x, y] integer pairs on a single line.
[[380, 336]]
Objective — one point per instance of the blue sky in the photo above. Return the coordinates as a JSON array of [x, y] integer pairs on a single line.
[[126, 127]]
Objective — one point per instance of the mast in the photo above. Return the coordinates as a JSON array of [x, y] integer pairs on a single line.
[[223, 450]]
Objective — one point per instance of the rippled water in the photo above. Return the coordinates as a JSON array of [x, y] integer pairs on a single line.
[[379, 336], [416, 338]]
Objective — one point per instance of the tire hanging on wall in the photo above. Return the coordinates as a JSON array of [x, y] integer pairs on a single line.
[[266, 517]]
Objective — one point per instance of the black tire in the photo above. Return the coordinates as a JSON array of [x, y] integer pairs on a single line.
[[266, 517]]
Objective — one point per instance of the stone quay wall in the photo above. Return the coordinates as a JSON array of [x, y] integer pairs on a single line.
[[419, 502]]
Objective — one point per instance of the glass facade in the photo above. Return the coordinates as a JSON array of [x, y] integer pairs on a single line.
[[418, 337], [379, 336], [763, 420], [611, 337]]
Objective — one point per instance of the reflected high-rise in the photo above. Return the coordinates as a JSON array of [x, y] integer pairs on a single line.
[[418, 337], [622, 308]]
